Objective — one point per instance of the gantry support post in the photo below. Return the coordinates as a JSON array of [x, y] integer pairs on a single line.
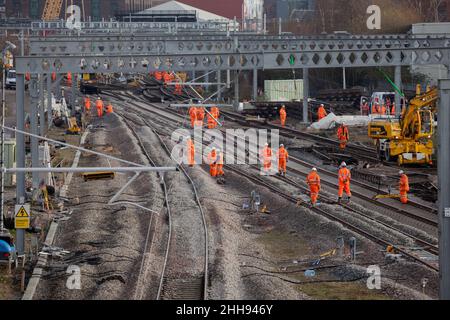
[[73, 96], [34, 96], [305, 95], [444, 188], [255, 84], [219, 87], [20, 155], [236, 89], [41, 105], [49, 101]]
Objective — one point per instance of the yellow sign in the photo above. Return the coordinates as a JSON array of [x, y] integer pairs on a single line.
[[22, 219]]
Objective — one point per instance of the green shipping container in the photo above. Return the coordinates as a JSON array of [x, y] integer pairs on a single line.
[[283, 90]]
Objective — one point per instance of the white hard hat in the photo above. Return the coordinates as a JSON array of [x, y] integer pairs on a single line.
[[401, 172], [281, 145], [322, 105], [214, 148], [343, 164], [314, 169], [266, 144]]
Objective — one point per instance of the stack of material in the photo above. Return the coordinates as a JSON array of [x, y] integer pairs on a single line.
[[331, 121]]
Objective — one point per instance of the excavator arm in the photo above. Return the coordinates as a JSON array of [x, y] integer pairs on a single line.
[[417, 121]]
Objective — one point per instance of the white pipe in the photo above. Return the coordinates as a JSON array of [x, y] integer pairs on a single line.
[[90, 169]]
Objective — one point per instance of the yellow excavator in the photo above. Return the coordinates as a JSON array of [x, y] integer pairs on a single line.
[[409, 140]]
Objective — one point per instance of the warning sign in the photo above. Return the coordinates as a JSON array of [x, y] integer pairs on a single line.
[[22, 219]]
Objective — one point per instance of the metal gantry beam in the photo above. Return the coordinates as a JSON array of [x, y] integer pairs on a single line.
[[228, 61]]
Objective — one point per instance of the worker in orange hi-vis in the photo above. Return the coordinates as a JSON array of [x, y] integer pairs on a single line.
[[343, 136], [99, 105], [193, 115], [321, 112], [211, 121], [313, 181], [393, 109], [200, 116], [158, 75], [53, 76], [344, 182], [403, 187], [27, 76], [220, 172], [375, 108], [87, 104], [283, 116], [212, 161], [190, 152], [109, 108], [266, 155], [69, 78], [178, 89], [215, 112], [167, 78], [383, 109], [283, 158]]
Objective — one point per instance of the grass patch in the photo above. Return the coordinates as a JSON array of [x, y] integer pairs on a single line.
[[284, 245]]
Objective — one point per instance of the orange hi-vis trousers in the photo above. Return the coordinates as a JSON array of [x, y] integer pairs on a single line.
[[314, 189], [344, 186], [282, 165], [404, 197]]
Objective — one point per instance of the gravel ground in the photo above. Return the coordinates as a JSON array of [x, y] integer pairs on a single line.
[[236, 235], [252, 256], [106, 243]]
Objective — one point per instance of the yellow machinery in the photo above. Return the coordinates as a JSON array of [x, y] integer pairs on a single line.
[[410, 138], [52, 10], [73, 126]]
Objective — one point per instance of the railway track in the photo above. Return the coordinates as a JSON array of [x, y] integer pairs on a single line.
[[171, 287], [172, 115], [427, 247], [360, 152]]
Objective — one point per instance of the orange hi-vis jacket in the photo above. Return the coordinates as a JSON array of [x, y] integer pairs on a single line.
[[283, 157], [99, 105], [404, 183], [200, 113], [158, 75], [215, 112], [109, 108], [266, 155], [345, 175], [87, 103], [212, 160], [313, 179], [282, 154], [190, 152], [283, 116], [167, 78], [220, 165], [321, 113], [343, 133], [193, 115]]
